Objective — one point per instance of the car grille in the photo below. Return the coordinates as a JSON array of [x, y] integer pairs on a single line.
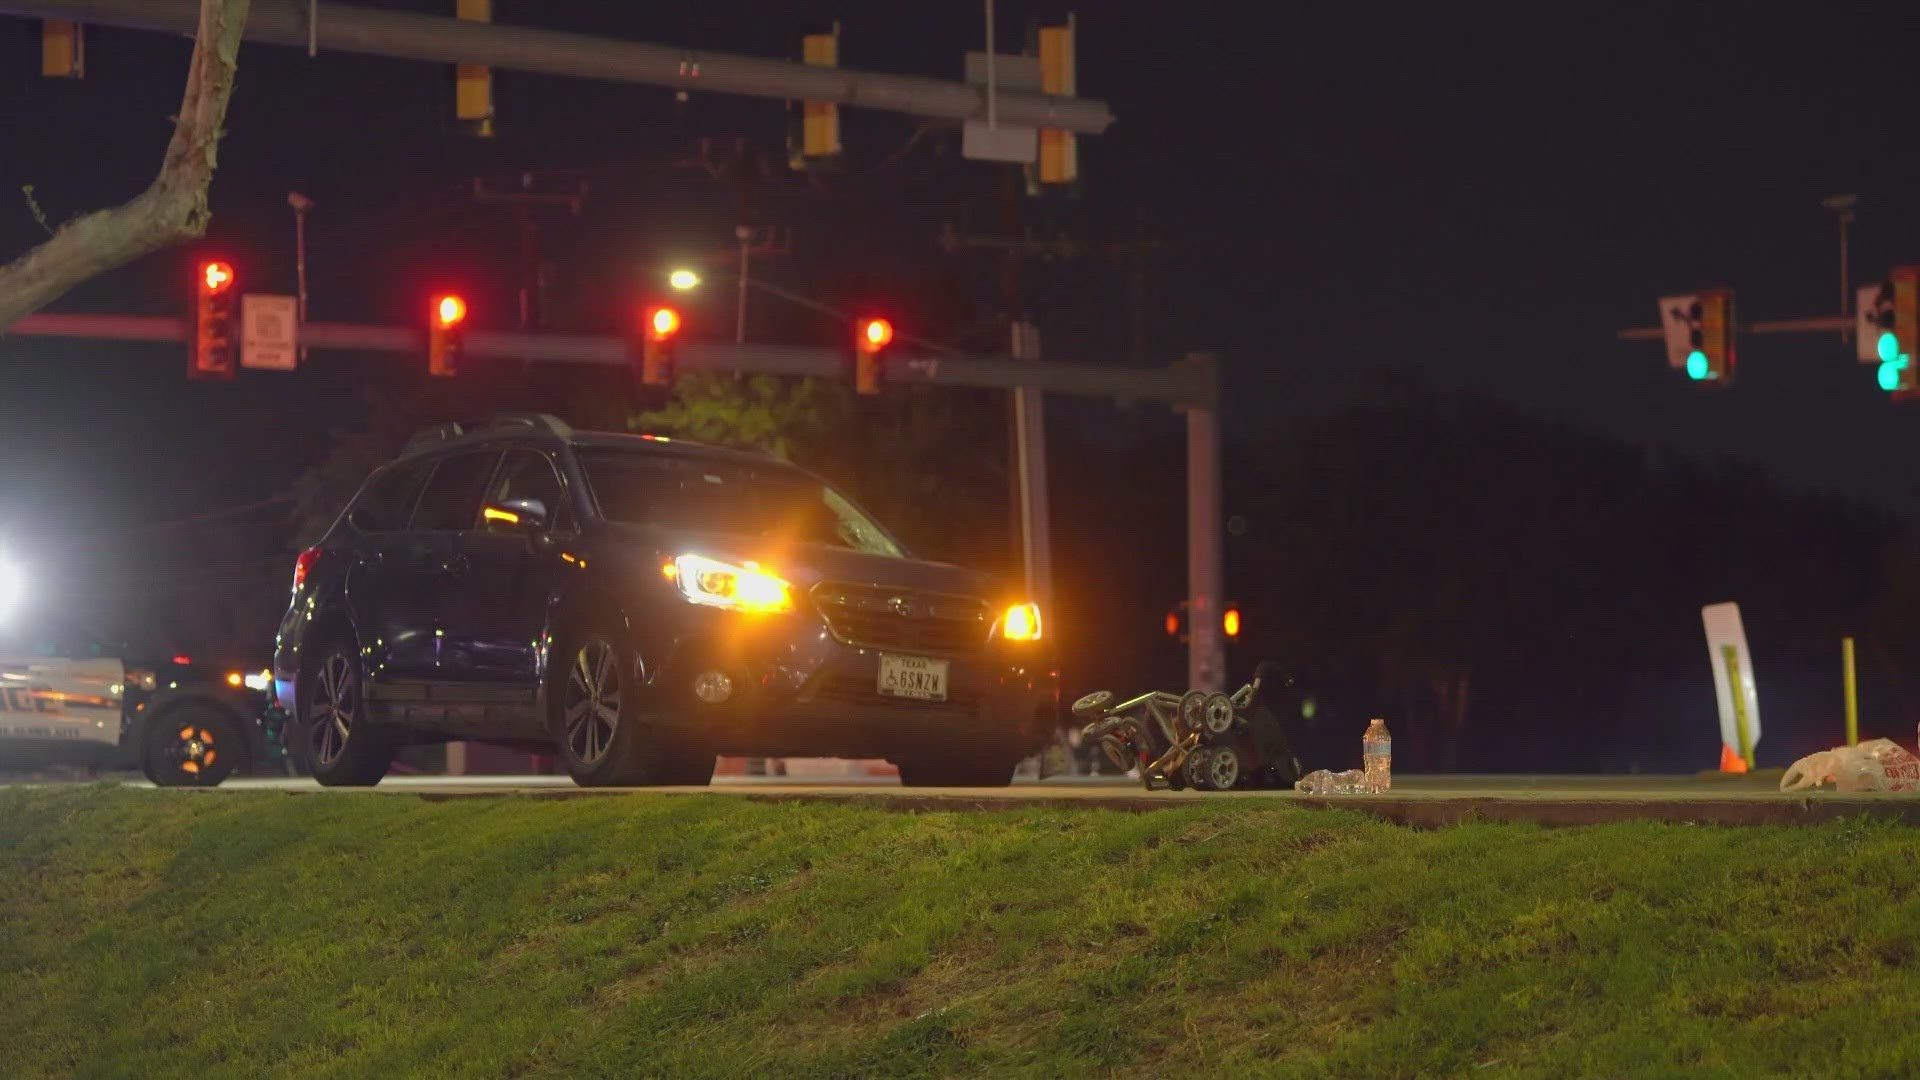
[[879, 618]]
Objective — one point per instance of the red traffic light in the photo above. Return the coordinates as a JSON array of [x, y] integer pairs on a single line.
[[216, 277], [663, 323], [876, 334], [450, 310]]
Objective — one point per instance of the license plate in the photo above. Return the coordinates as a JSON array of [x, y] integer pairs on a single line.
[[918, 677]]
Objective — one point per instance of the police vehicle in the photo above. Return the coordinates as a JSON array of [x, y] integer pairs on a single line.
[[72, 702]]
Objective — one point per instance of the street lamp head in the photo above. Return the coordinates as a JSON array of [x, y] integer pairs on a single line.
[[683, 280]]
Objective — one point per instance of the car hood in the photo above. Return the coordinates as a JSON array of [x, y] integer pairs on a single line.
[[807, 565]]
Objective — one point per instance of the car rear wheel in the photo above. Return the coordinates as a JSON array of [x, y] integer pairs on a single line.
[[191, 746], [957, 769], [341, 746], [596, 723]]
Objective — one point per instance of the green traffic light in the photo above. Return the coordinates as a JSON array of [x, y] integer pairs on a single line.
[[1890, 373], [1697, 366], [1888, 346]]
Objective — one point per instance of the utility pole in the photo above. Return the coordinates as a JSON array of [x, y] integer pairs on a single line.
[[301, 204], [1842, 207], [536, 274], [1030, 475]]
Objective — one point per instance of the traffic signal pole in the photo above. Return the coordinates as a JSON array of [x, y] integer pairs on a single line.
[[1206, 646], [403, 35]]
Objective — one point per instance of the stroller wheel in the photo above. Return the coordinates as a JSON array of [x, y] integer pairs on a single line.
[[1193, 710], [1217, 717], [1223, 768], [1198, 770], [1094, 705]]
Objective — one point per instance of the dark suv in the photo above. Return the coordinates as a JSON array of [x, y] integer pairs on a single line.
[[639, 605]]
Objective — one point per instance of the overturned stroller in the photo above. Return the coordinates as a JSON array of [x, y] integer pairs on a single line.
[[1209, 742]]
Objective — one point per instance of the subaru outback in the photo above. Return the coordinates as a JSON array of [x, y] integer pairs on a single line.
[[638, 605]]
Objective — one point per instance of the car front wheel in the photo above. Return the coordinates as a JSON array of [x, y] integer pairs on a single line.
[[597, 724]]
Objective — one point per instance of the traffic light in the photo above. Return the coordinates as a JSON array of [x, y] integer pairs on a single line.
[[215, 323], [659, 335], [870, 340], [446, 336], [1230, 622], [1699, 331], [819, 139], [63, 49], [1886, 331], [473, 83], [1059, 152]]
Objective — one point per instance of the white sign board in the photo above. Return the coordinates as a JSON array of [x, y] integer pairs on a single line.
[[1008, 143], [269, 332], [1679, 318], [1723, 631]]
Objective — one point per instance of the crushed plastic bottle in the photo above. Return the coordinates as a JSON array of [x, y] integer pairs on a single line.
[[1376, 750], [1323, 782]]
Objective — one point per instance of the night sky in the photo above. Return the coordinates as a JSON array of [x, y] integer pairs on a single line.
[[1480, 199]]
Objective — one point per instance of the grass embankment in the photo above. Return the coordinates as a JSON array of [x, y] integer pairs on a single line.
[[156, 934]]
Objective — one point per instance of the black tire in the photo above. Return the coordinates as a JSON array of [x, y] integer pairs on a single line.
[[595, 717], [192, 745], [957, 769], [1194, 769], [340, 744]]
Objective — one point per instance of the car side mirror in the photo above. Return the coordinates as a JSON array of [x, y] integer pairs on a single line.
[[516, 515]]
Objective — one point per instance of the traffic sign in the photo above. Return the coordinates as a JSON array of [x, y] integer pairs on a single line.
[[269, 332], [1733, 685]]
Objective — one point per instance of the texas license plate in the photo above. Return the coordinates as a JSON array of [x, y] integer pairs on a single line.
[[918, 677]]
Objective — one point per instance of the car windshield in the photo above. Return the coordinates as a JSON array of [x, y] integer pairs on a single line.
[[731, 497]]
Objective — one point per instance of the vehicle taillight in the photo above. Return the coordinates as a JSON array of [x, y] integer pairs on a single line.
[[303, 564]]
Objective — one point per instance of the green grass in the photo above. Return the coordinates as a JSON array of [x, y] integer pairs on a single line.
[[248, 934]]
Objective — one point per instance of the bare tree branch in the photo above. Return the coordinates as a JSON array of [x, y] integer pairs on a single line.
[[174, 206]]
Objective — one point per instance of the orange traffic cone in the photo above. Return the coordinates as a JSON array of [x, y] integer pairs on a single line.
[[1731, 762]]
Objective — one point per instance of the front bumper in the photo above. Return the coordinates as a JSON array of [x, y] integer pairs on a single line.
[[795, 691]]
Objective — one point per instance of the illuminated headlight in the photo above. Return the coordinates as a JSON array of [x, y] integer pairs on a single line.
[[141, 679], [745, 587], [259, 680], [1021, 623]]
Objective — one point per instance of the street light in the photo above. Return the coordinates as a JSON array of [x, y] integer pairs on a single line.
[[683, 280]]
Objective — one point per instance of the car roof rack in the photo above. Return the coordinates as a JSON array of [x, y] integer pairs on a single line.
[[503, 424]]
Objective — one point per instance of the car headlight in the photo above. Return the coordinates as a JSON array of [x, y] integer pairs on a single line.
[[139, 678], [258, 680], [1021, 623], [744, 587]]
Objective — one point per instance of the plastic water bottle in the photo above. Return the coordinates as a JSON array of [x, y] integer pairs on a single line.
[[1376, 752]]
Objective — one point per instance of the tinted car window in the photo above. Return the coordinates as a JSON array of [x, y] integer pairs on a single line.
[[724, 496], [387, 501], [527, 474], [452, 499]]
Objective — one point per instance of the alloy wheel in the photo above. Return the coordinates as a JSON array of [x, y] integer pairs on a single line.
[[331, 716], [592, 702]]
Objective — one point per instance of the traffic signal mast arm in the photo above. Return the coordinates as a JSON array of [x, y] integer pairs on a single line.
[[436, 39], [1187, 382]]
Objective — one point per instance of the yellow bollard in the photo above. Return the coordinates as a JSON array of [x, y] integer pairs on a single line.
[[1732, 653], [1853, 692]]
